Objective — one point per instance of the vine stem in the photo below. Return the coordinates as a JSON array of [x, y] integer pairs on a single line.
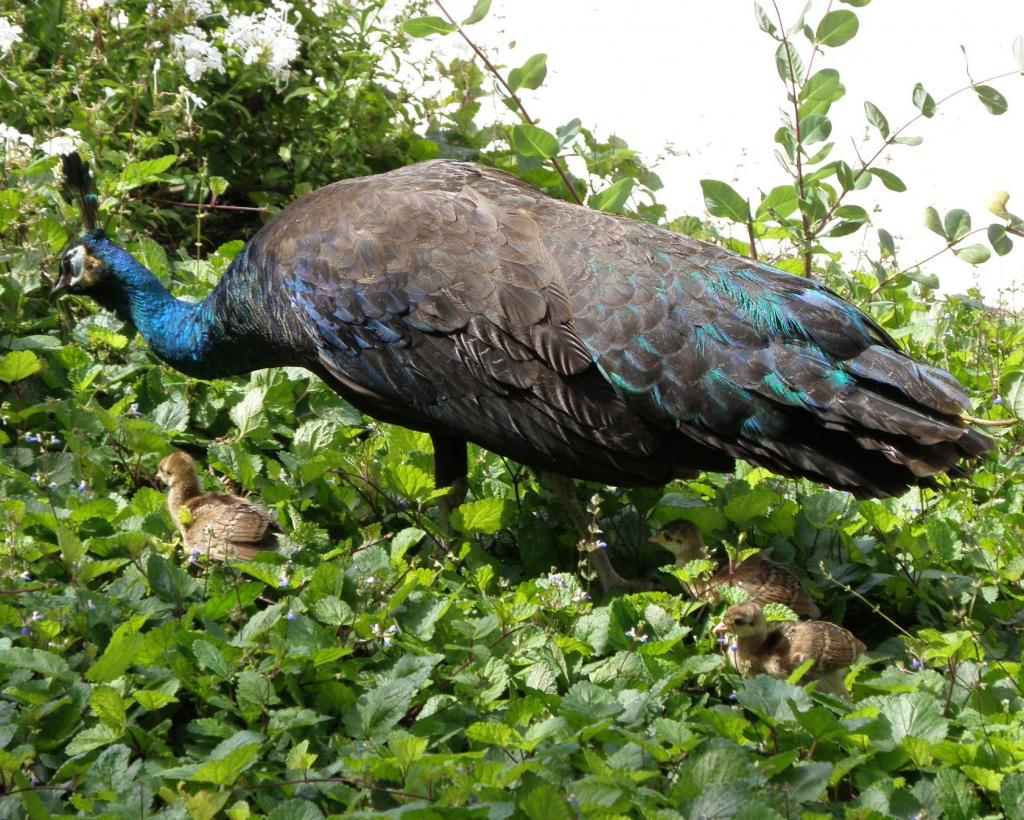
[[903, 271], [492, 69], [795, 97]]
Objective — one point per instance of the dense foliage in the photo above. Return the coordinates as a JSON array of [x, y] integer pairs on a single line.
[[379, 665]]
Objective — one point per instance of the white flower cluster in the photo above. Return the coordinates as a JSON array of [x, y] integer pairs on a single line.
[[267, 37], [10, 33], [14, 144], [199, 54], [17, 147], [68, 141]]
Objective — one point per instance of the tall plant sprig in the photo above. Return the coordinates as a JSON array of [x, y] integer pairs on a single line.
[[531, 144], [824, 211]]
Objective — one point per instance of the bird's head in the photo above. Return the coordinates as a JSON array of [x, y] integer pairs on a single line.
[[743, 621], [177, 468], [88, 263], [682, 538]]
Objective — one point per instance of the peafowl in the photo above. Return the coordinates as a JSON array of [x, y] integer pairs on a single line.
[[781, 649], [217, 525], [458, 300], [764, 581]]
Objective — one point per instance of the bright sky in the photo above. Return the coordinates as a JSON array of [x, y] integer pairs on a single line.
[[693, 87]]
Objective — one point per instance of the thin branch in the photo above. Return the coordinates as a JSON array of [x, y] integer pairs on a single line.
[[200, 206], [511, 95], [805, 221]]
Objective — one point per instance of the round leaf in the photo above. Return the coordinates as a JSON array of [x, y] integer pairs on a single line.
[[991, 99], [722, 201], [974, 254], [837, 27], [532, 141], [425, 26]]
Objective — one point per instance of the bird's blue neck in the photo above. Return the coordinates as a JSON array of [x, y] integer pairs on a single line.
[[189, 336]]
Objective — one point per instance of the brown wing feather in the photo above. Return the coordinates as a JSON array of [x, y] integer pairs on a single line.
[[225, 526]]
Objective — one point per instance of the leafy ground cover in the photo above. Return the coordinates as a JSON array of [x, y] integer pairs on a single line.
[[377, 666]]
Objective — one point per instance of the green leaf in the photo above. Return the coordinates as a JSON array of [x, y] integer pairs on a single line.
[[484, 517], [92, 738], [146, 171], [923, 101], [34, 660], [889, 180], [764, 22], [999, 240], [857, 3], [171, 415], [121, 652], [722, 201], [299, 759], [478, 13], [425, 26], [973, 254], [229, 760], [248, 413], [803, 782], [933, 222], [909, 140], [912, 715], [1018, 52], [772, 699], [886, 243], [407, 748], [18, 365], [788, 62], [612, 198], [108, 707], [991, 99], [836, 28], [820, 91], [378, 710], [957, 224], [815, 128], [531, 74], [780, 203], [876, 118], [532, 141]]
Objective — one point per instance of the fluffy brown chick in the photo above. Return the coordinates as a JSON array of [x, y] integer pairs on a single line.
[[764, 581], [779, 649], [218, 525]]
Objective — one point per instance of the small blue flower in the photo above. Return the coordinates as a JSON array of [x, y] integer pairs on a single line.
[[734, 647], [283, 583], [34, 479], [26, 576], [602, 545], [290, 616], [997, 400], [133, 409], [26, 631], [90, 605], [917, 665], [722, 640], [81, 486], [56, 442]]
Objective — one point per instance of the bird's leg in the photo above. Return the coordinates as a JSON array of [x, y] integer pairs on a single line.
[[607, 576], [450, 470]]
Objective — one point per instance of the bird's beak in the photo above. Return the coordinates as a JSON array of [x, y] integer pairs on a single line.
[[63, 283]]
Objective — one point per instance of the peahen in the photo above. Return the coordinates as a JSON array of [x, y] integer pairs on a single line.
[[459, 300]]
